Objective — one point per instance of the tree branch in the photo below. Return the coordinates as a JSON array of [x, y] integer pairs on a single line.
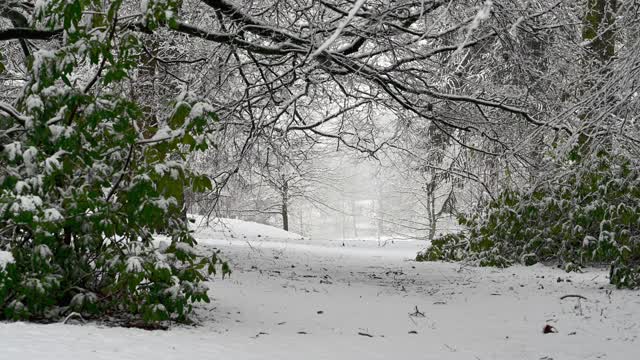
[[21, 33]]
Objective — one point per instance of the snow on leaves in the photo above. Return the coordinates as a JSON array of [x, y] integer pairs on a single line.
[[25, 203], [5, 258], [85, 179], [134, 264]]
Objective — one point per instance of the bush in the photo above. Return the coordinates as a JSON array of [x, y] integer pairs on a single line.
[[85, 182], [450, 247], [584, 213]]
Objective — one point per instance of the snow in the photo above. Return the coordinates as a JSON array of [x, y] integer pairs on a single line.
[[40, 6], [144, 5], [484, 13], [165, 133], [160, 169], [57, 131], [82, 298], [21, 186], [185, 248], [200, 109], [12, 149], [43, 251], [161, 265], [216, 230], [52, 163], [52, 215], [29, 157], [294, 298], [5, 258], [165, 203], [28, 203], [34, 103], [40, 58], [134, 264]]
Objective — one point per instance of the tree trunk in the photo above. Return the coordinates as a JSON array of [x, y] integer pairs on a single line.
[[285, 216], [599, 31], [344, 219], [431, 213], [599, 28], [354, 218], [285, 210], [380, 217]]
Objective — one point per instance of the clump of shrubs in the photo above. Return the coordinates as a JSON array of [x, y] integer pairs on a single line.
[[582, 214]]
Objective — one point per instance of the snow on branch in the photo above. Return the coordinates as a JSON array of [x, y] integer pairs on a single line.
[[340, 28]]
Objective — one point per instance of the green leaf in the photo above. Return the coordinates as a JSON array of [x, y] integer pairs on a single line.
[[66, 80], [179, 115]]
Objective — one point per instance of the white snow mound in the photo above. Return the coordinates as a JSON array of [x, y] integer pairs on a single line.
[[227, 229]]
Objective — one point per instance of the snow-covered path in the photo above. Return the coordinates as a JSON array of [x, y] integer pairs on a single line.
[[290, 298]]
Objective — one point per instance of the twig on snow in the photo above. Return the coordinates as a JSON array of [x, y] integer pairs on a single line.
[[417, 313], [73, 315], [573, 296]]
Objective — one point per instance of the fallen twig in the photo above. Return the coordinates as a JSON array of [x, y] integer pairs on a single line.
[[573, 296], [260, 333], [417, 313], [548, 329], [73, 315]]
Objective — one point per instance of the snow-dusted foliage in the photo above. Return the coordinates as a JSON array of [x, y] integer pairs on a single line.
[[585, 212], [80, 190]]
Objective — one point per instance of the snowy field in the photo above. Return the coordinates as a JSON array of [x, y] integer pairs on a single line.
[[293, 298]]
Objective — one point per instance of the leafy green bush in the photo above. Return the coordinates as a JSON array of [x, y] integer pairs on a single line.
[[450, 247], [584, 213], [85, 182]]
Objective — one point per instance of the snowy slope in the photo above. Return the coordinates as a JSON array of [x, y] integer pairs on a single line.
[[299, 299], [221, 229], [233, 232]]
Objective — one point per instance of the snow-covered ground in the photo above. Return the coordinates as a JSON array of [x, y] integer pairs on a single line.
[[292, 298]]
